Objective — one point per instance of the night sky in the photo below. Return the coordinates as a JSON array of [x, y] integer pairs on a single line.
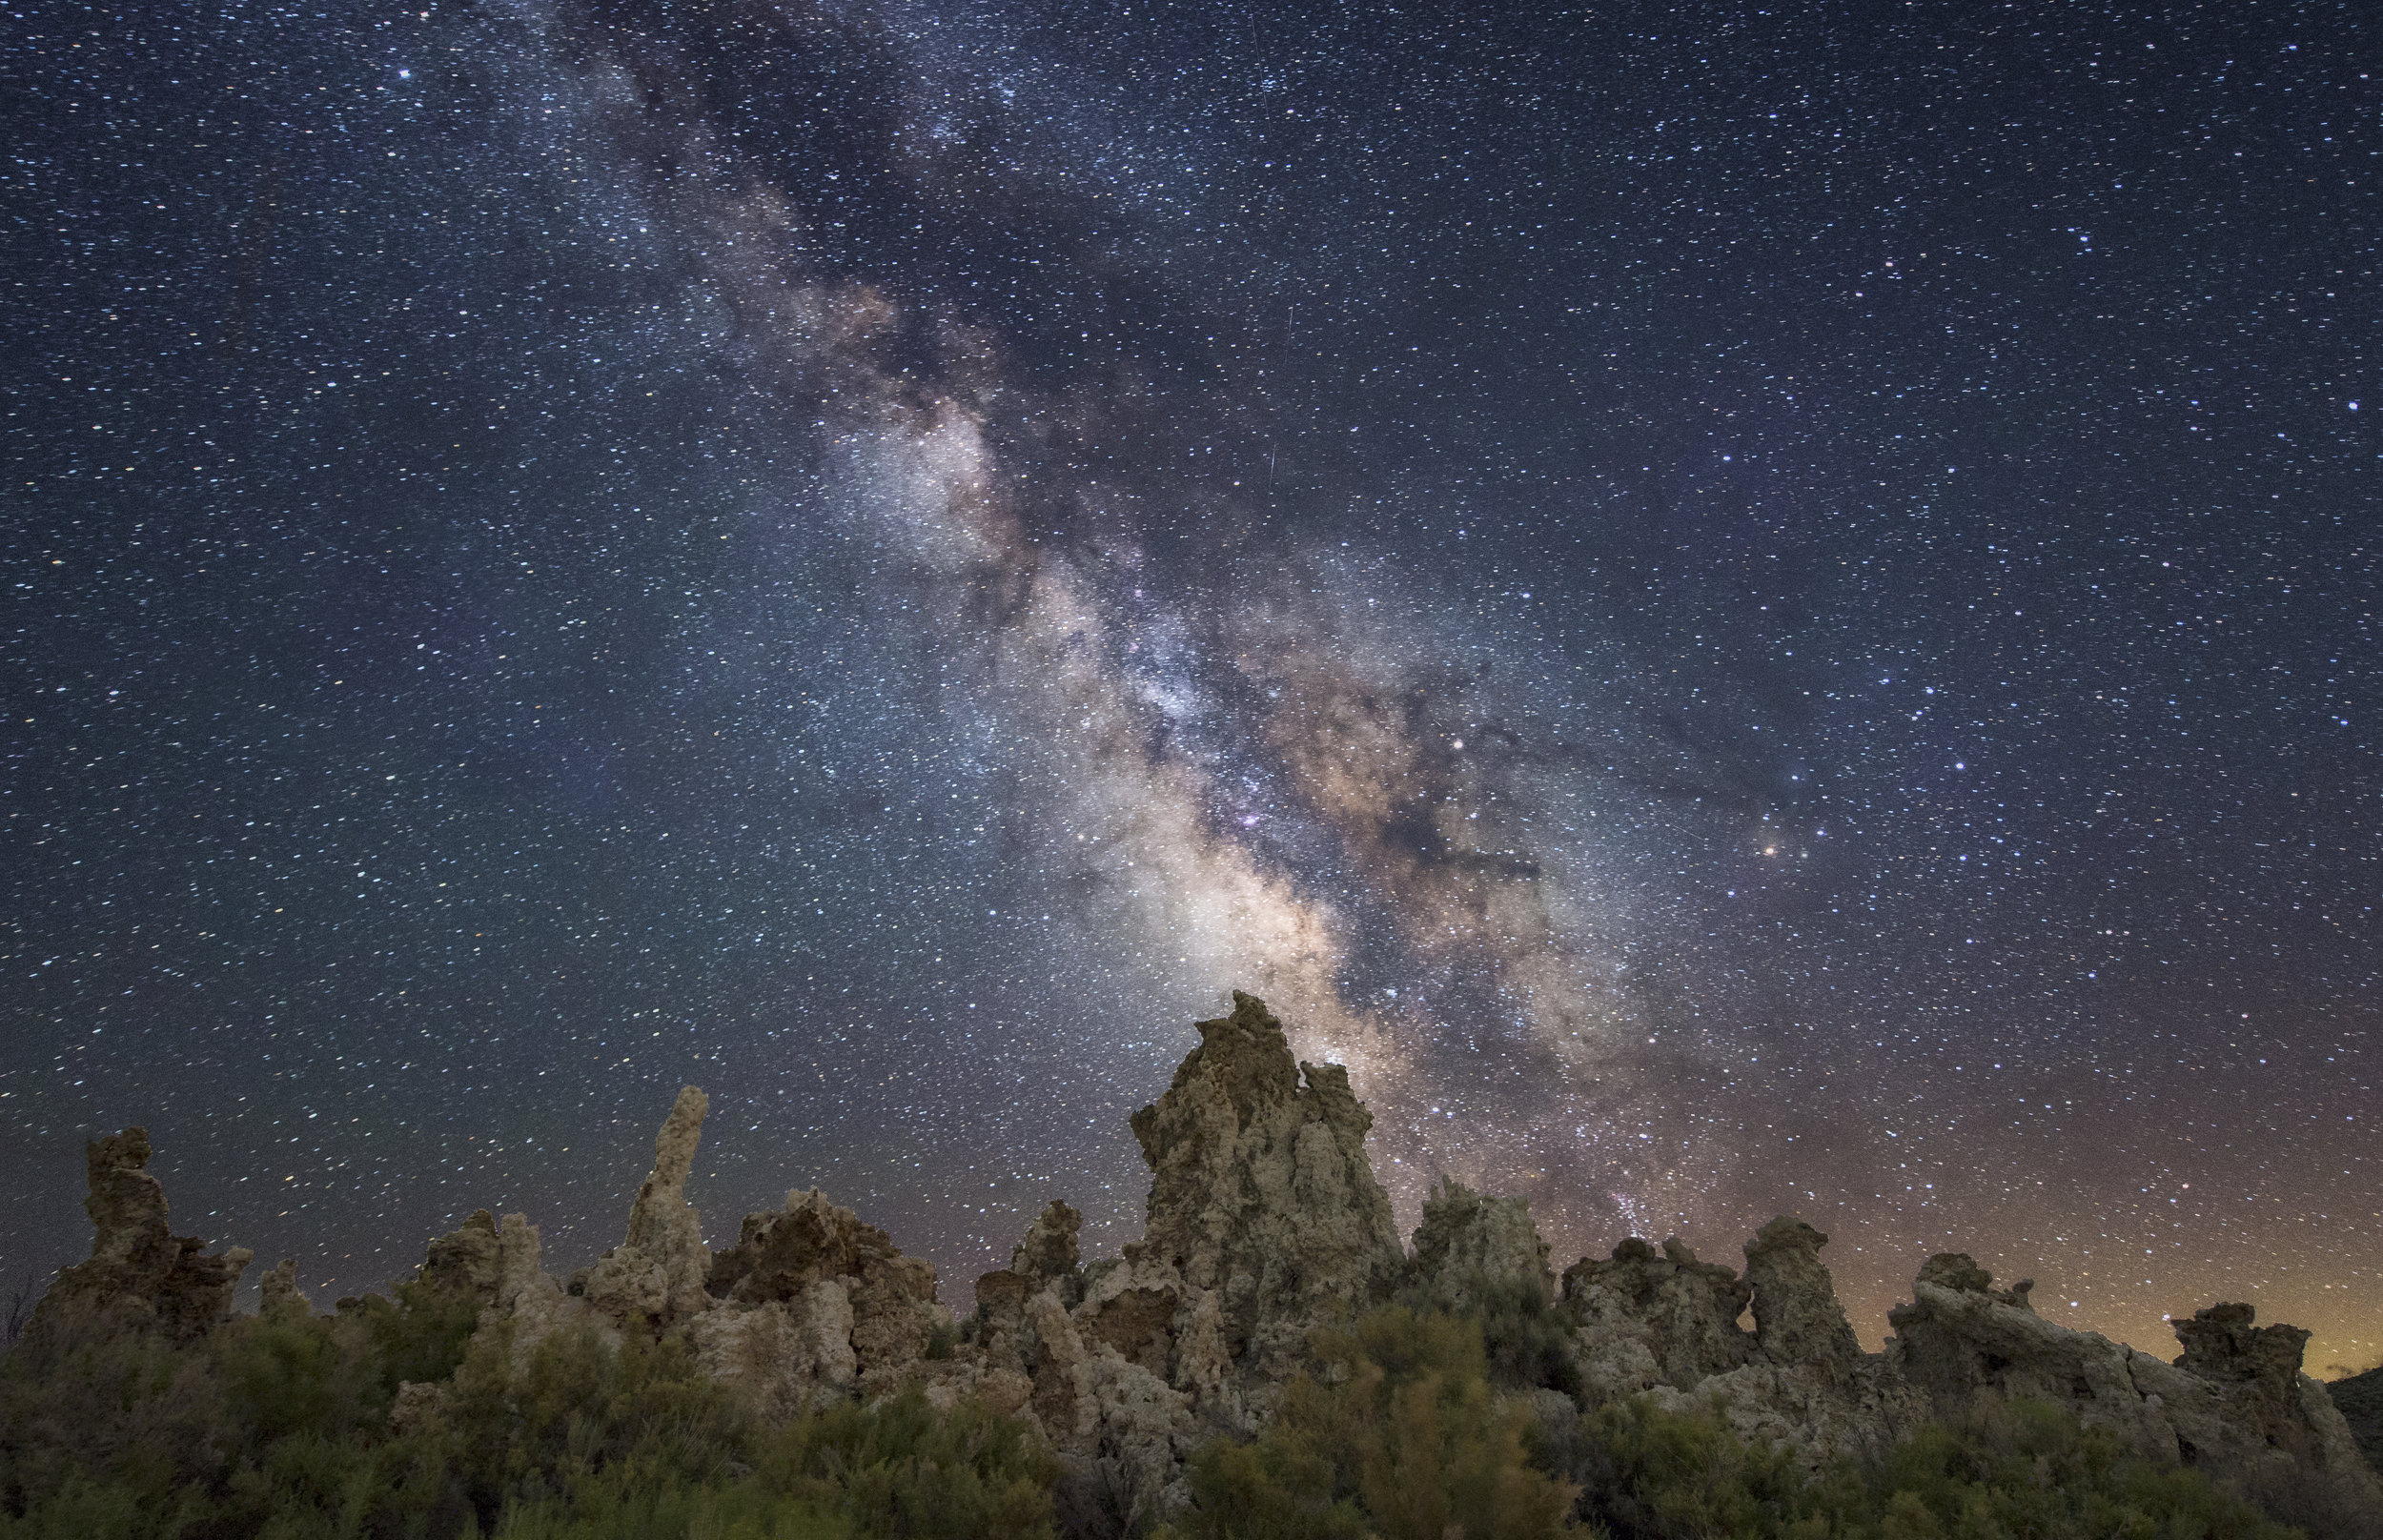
[[1742, 609]]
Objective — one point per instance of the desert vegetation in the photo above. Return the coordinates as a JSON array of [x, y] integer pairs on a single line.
[[396, 1420]]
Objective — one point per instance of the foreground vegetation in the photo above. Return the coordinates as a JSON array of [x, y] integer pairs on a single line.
[[1412, 1428], [1400, 1437], [281, 1428]]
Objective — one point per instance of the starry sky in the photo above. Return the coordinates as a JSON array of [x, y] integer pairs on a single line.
[[1743, 609]]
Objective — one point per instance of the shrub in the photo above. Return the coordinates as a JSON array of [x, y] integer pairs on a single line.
[[111, 1433], [278, 1427], [2032, 1469], [1528, 1345], [1398, 1437], [627, 1503], [525, 1427], [2024, 1470], [902, 1468], [1649, 1474]]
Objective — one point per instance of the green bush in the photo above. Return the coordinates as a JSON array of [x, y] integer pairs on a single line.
[[1400, 1437], [524, 1426], [1649, 1474], [2032, 1469], [421, 1336], [630, 1502], [2027, 1471], [278, 1427], [116, 1434], [901, 1469], [1528, 1345]]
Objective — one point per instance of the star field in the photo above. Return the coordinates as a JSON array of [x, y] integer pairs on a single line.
[[1742, 609]]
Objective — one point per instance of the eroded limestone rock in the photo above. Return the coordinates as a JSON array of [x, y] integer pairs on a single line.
[[2234, 1404], [790, 1354], [1797, 1318], [467, 1262], [2221, 1345], [2359, 1399], [1642, 1319], [1667, 1326], [655, 1275], [277, 1291], [1471, 1246], [494, 1263], [1049, 1254], [887, 1303], [1861, 1409], [140, 1276], [1958, 1270], [1262, 1195], [1265, 1222]]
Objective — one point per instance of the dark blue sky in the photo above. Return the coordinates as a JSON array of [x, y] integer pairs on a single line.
[[1741, 610]]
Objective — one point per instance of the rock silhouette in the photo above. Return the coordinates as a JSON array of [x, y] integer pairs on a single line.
[[1264, 1224], [140, 1276]]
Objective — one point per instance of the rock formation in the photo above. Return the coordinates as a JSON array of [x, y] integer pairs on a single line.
[[1797, 1319], [468, 1261], [655, 1275], [1265, 1222], [2359, 1399], [809, 1305], [1470, 1246], [495, 1265], [825, 1290], [1642, 1319], [1261, 1193], [1667, 1325], [277, 1291], [2234, 1404], [140, 1277], [1048, 1253]]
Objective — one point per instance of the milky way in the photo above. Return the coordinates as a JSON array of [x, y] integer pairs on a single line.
[[1742, 611]]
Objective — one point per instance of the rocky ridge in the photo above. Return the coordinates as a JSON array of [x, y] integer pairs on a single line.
[[1264, 1223]]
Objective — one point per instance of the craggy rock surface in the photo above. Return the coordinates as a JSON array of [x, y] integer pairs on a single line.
[[655, 1275], [829, 1281], [1048, 1252], [140, 1276], [1797, 1319], [2359, 1399], [1667, 1325], [2235, 1403], [1264, 1223], [809, 1305], [1470, 1244], [1261, 1193], [468, 1261], [1645, 1318], [278, 1290]]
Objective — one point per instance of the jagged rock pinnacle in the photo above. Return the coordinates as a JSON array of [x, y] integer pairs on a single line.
[[1797, 1319], [655, 1275], [140, 1276], [1261, 1193]]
